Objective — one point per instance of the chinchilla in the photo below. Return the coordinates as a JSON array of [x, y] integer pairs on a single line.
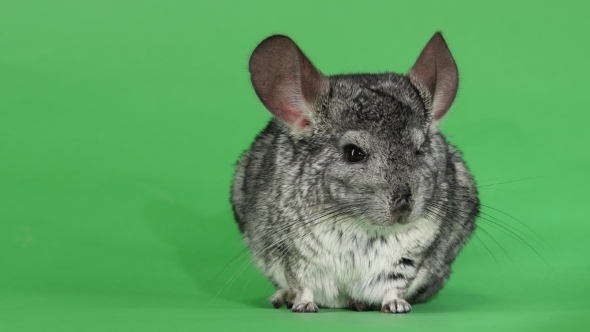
[[351, 197]]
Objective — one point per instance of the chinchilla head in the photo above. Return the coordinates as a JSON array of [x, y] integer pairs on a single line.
[[364, 140]]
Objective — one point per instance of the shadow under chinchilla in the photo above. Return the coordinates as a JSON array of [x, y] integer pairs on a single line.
[[210, 251], [454, 300]]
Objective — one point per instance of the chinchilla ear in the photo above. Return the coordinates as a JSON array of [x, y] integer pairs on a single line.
[[286, 81], [436, 71]]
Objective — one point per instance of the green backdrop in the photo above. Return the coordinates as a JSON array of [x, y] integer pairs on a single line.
[[120, 123]]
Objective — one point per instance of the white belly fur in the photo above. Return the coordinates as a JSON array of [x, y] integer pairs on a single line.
[[343, 268]]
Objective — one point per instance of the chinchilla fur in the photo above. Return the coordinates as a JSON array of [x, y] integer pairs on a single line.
[[351, 197]]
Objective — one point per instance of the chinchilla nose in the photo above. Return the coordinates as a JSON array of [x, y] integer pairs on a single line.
[[401, 200]]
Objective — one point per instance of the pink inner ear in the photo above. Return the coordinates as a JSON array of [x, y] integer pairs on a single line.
[[304, 123], [436, 70], [293, 117], [285, 80]]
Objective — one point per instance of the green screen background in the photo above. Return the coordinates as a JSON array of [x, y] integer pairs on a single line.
[[120, 123]]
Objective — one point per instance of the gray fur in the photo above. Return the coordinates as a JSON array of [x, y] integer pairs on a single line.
[[323, 229]]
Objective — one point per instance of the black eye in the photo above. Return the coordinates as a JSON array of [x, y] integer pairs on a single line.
[[353, 153]]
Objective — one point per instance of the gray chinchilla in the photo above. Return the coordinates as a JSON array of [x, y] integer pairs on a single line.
[[351, 197]]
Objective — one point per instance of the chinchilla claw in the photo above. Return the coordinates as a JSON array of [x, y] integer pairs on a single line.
[[397, 306], [305, 307]]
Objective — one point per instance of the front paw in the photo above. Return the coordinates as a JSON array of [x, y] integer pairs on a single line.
[[358, 306], [398, 306], [305, 307], [363, 306], [282, 297]]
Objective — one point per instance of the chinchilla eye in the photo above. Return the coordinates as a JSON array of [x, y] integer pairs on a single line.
[[353, 153]]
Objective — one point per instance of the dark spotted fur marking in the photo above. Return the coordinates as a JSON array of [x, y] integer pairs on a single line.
[[406, 261], [384, 277]]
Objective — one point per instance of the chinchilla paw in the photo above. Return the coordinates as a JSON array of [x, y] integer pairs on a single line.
[[358, 306], [362, 306], [282, 297], [397, 306], [305, 307]]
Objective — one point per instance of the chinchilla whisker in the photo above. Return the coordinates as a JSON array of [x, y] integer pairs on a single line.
[[351, 224], [247, 283], [245, 250], [332, 214], [505, 228], [328, 212], [505, 224], [321, 215], [499, 183], [500, 223], [492, 223], [499, 246], [525, 242], [429, 214], [248, 262], [231, 262], [336, 216], [229, 280], [492, 179], [498, 189], [509, 228], [451, 224], [333, 210], [349, 208], [486, 246], [517, 220], [488, 249]]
